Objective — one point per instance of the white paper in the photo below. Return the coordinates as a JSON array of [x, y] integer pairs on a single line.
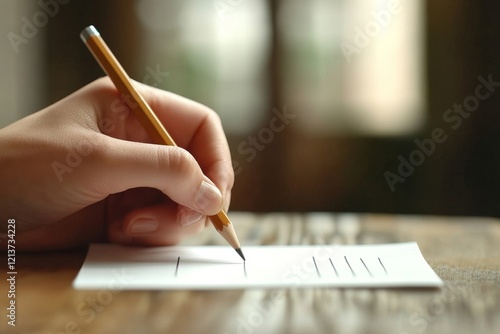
[[219, 267]]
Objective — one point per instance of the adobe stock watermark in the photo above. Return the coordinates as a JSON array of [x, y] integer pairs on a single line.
[[155, 76], [364, 36], [73, 159], [31, 26], [423, 318], [292, 277], [93, 305], [453, 117], [250, 147], [120, 107], [224, 7]]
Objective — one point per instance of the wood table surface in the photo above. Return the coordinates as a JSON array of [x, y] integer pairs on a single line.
[[464, 252]]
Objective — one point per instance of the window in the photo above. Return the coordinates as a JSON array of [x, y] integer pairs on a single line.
[[349, 66], [215, 52], [354, 66]]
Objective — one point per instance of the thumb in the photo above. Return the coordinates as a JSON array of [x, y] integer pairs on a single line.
[[172, 170]]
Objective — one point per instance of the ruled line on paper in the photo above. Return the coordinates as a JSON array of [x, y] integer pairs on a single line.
[[333, 266], [352, 271], [177, 266], [316, 265], [385, 270], [364, 264]]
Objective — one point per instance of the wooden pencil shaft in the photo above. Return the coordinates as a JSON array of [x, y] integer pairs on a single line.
[[220, 220], [134, 100], [144, 113]]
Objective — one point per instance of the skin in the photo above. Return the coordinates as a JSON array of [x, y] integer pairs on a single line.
[[122, 189]]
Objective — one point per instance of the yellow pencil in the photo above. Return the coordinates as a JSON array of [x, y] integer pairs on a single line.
[[146, 116]]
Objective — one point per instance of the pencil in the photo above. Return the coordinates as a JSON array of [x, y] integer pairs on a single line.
[[146, 116]]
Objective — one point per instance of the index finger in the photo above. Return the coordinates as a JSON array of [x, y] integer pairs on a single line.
[[195, 128]]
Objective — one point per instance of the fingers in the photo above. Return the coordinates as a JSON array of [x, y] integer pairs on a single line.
[[196, 128], [193, 126], [157, 225], [172, 170], [198, 174]]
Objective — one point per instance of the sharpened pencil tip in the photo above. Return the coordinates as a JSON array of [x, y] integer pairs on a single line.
[[240, 253]]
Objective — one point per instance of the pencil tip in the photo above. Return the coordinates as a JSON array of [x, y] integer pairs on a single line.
[[240, 253]]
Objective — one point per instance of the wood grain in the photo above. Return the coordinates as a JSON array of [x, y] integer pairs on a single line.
[[465, 252]]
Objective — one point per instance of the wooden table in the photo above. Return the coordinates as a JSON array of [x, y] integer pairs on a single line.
[[465, 252]]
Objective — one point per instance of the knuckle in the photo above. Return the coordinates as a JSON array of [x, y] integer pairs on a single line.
[[175, 160], [214, 116], [210, 115], [227, 176]]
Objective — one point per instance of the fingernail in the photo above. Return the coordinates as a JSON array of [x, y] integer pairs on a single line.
[[143, 225], [209, 198], [189, 217]]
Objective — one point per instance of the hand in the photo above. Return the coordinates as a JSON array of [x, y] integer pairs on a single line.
[[83, 170]]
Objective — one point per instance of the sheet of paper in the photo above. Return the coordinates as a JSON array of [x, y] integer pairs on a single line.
[[219, 267]]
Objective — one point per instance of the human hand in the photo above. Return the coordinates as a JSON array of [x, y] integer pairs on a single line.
[[83, 170]]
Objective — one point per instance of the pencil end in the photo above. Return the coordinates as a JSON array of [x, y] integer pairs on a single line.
[[88, 32], [240, 253]]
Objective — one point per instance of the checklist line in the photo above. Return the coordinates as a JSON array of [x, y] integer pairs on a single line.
[[369, 272], [177, 266], [352, 271], [380, 261], [316, 265], [333, 266]]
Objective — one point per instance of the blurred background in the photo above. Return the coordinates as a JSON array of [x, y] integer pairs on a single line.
[[327, 104]]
